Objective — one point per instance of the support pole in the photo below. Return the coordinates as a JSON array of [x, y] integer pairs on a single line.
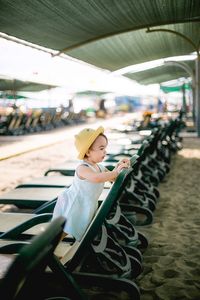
[[190, 72], [197, 69], [184, 100], [197, 89]]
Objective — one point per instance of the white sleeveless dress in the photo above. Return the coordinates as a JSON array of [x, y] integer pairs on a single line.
[[78, 204]]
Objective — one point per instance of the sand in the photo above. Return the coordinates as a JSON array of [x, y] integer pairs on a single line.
[[172, 260]]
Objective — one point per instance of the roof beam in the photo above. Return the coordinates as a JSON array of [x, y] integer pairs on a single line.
[[196, 47], [104, 36]]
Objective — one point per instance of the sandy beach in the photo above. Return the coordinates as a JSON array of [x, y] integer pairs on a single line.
[[172, 260]]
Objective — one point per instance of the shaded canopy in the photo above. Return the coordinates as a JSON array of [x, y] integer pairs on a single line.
[[90, 93], [138, 46], [110, 34], [18, 85], [160, 74], [171, 89]]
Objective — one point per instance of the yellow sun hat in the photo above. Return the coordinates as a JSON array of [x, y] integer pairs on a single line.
[[85, 138]]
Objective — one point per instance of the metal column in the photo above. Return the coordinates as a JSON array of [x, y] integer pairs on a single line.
[[197, 94]]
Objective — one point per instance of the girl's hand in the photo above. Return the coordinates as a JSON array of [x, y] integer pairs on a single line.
[[122, 165], [124, 161]]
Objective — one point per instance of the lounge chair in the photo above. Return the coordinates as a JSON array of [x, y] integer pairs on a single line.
[[31, 225], [101, 252], [67, 168], [22, 276], [48, 181], [34, 197], [45, 198], [59, 181], [23, 225], [124, 229], [146, 199], [30, 198], [108, 256], [138, 212], [10, 220]]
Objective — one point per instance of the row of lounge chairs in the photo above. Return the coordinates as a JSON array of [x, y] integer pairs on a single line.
[[37, 120], [108, 259]]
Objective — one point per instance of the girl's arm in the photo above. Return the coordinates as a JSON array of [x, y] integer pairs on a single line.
[[85, 172]]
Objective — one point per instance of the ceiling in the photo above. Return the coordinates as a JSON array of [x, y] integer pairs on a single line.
[[110, 34], [15, 85], [176, 88], [137, 47], [161, 74], [90, 93]]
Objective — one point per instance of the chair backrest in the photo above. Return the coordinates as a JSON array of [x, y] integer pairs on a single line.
[[31, 261], [103, 211]]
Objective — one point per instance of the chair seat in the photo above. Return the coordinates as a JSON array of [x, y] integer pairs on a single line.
[[65, 251], [52, 181], [48, 181], [10, 220], [30, 197], [5, 261]]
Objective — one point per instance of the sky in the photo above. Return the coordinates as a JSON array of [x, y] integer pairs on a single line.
[[18, 61], [25, 63]]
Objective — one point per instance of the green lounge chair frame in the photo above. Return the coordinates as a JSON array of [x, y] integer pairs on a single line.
[[23, 225], [31, 197], [30, 220], [28, 267], [94, 227], [58, 181], [34, 197], [48, 181], [68, 168]]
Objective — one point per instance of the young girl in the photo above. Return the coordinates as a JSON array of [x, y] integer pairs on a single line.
[[79, 202]]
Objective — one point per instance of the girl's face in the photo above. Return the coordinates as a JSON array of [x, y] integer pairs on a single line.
[[97, 151]]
